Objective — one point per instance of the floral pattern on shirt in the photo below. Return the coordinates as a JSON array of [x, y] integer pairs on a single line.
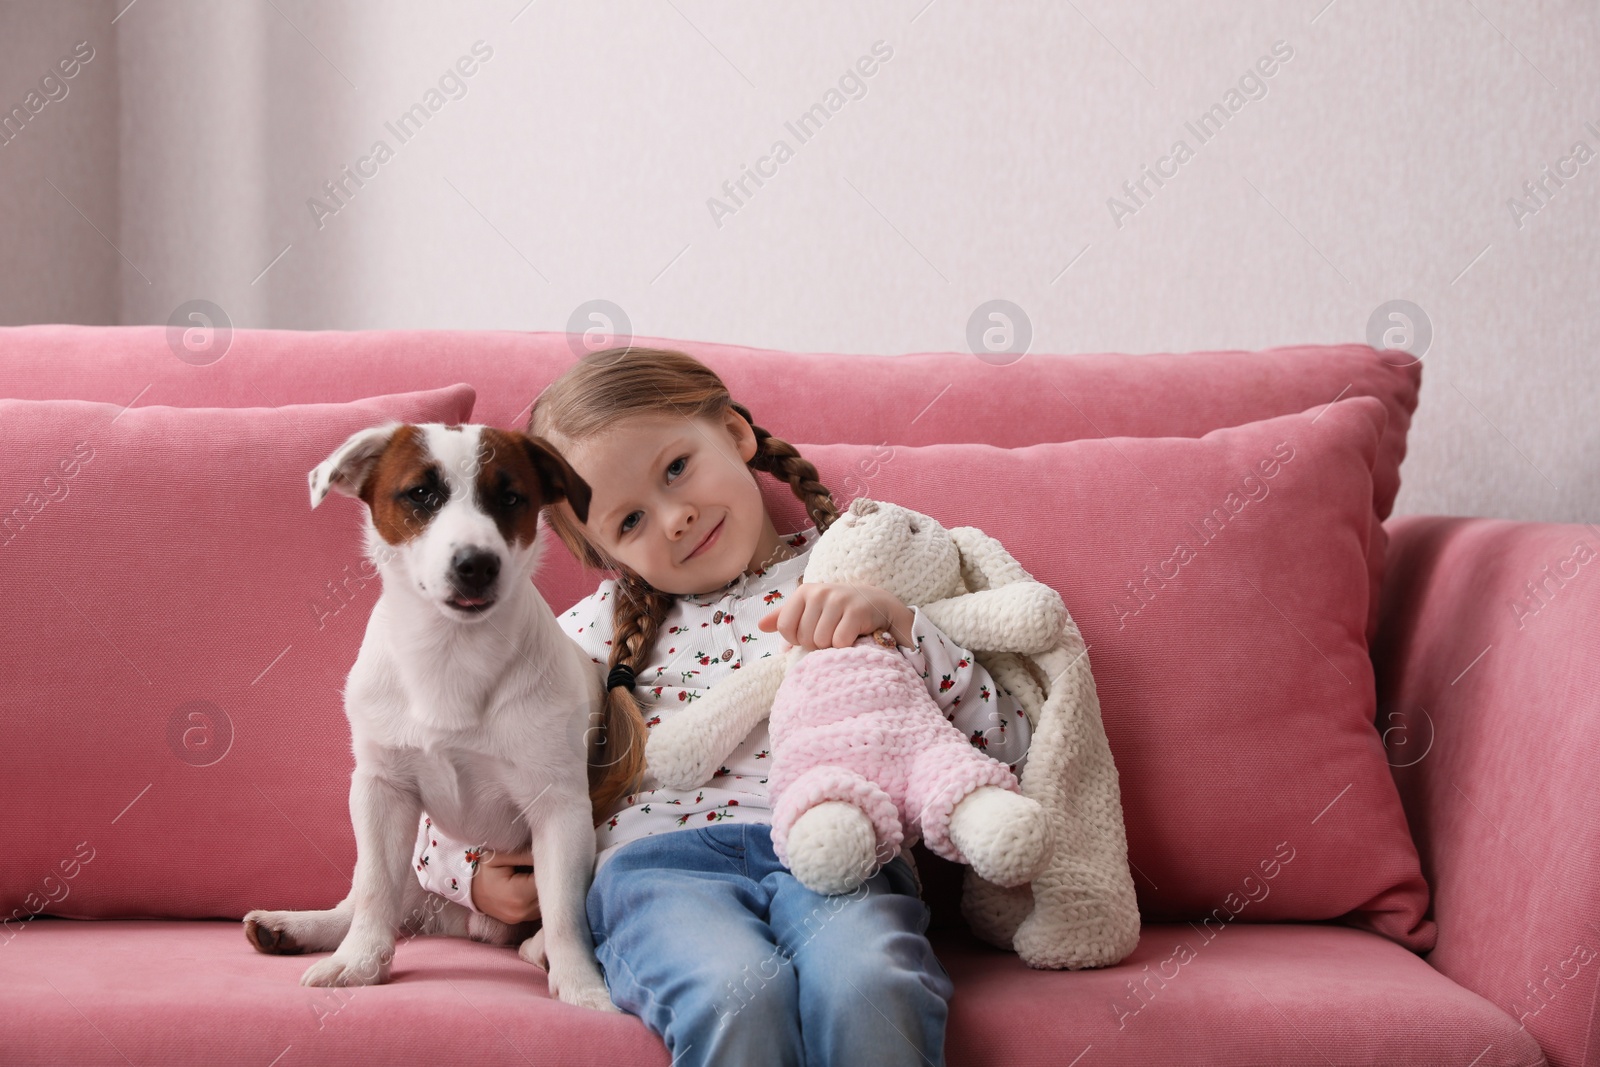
[[448, 869]]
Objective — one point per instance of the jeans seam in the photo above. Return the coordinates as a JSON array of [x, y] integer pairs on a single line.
[[651, 1000], [737, 856]]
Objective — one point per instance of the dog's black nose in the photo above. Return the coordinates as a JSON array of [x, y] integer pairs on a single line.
[[472, 570]]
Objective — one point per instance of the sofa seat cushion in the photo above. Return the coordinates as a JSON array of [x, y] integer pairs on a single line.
[[1278, 993], [129, 991]]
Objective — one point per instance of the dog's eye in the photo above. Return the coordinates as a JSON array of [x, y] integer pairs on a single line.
[[423, 495], [508, 499]]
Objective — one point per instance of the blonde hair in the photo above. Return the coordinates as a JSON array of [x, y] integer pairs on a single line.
[[601, 389]]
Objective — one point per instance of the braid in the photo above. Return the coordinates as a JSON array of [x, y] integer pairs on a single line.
[[640, 612], [783, 461], [637, 614]]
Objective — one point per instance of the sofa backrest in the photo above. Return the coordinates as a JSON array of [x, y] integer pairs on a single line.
[[913, 399]]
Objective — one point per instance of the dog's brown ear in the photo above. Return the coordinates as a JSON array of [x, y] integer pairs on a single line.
[[557, 479]]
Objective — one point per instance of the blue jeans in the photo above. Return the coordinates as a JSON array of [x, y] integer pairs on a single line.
[[710, 940]]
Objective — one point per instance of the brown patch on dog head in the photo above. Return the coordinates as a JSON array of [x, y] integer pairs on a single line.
[[406, 488], [517, 476]]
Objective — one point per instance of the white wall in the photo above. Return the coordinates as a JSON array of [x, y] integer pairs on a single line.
[[58, 165], [979, 163]]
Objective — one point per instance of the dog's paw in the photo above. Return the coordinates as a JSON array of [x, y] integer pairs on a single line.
[[532, 950], [268, 933], [590, 993], [289, 933], [491, 931], [341, 969]]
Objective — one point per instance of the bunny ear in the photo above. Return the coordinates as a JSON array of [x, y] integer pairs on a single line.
[[985, 563]]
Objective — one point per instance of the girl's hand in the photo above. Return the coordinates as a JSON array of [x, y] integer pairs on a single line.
[[503, 887], [834, 614]]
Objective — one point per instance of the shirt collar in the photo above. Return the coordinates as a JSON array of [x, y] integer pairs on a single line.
[[781, 571]]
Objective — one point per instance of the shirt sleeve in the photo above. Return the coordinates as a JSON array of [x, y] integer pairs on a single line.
[[444, 865], [969, 696]]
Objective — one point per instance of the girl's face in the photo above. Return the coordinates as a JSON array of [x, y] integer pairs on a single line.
[[662, 485]]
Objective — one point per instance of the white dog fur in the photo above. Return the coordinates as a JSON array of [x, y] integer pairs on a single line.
[[472, 705]]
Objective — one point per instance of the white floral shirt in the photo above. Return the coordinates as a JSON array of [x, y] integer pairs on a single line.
[[704, 638]]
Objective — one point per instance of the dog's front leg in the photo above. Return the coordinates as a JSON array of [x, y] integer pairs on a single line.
[[385, 819], [563, 866]]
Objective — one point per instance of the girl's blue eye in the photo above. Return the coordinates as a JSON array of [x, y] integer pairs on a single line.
[[625, 528]]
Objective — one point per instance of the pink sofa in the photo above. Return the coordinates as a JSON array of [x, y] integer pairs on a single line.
[[1488, 713]]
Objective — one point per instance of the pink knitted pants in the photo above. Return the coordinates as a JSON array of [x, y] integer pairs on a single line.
[[857, 724]]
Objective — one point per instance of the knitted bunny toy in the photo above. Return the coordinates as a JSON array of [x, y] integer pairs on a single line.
[[861, 752], [1081, 910]]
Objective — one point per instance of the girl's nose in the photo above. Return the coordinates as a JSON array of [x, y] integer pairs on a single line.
[[687, 521]]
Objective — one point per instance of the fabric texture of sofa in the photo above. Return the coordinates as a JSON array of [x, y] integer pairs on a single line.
[[182, 622]]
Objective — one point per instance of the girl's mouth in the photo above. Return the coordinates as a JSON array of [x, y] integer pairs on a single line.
[[709, 541]]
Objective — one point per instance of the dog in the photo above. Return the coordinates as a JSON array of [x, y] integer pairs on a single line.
[[466, 700]]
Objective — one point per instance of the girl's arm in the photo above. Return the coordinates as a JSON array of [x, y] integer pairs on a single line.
[[967, 693], [498, 885]]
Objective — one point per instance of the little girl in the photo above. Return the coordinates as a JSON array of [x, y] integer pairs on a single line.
[[701, 932]]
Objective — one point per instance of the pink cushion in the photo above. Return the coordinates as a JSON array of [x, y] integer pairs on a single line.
[[916, 399], [1236, 687], [180, 625]]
